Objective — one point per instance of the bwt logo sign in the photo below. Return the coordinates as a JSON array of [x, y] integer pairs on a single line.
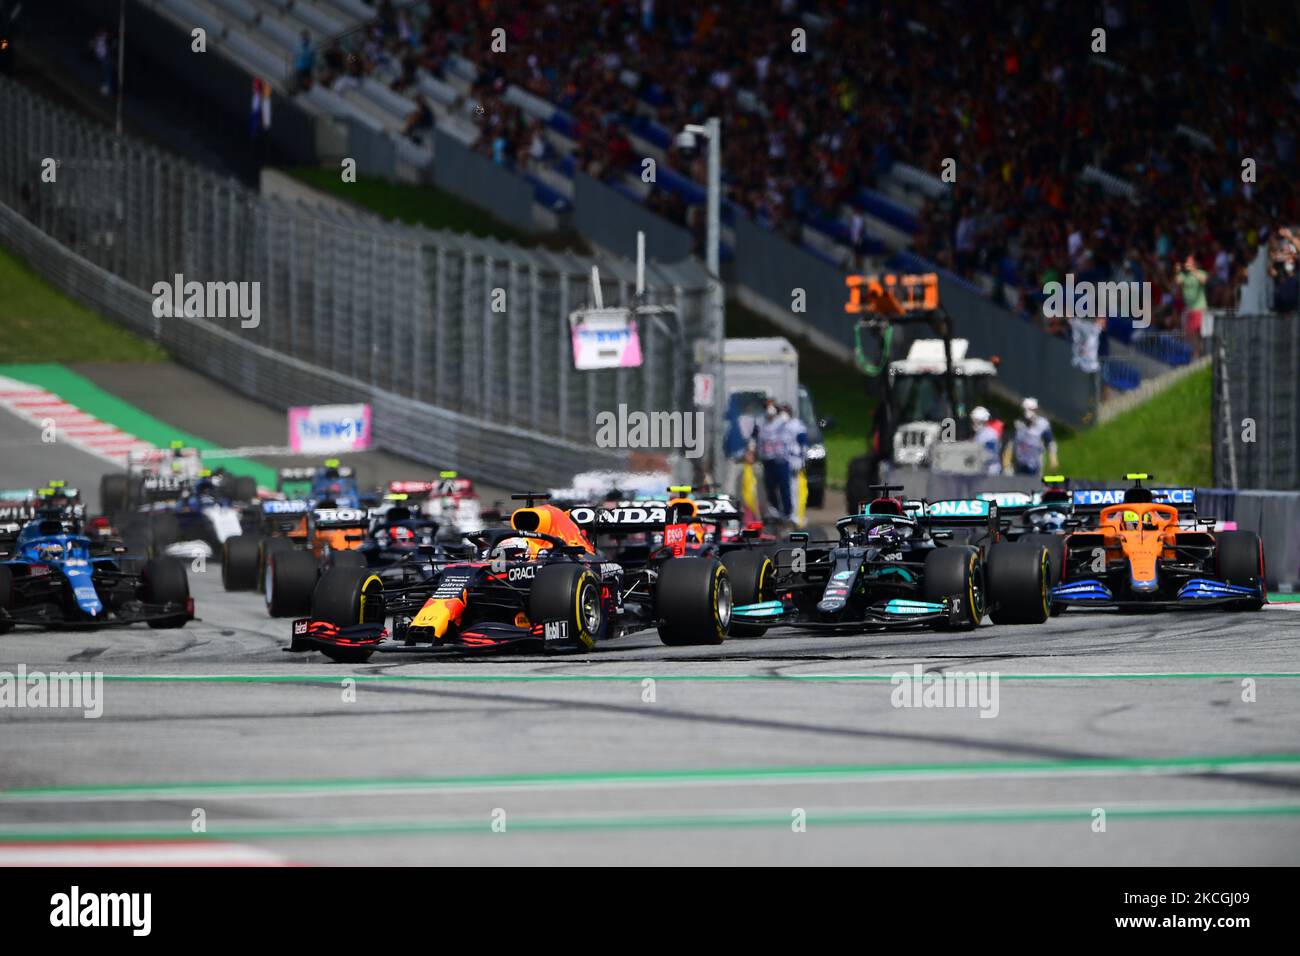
[[209, 300]]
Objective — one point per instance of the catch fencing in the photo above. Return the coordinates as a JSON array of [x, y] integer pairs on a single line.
[[1256, 422], [461, 344]]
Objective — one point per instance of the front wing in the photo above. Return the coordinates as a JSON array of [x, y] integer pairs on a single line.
[[894, 614], [1198, 592]]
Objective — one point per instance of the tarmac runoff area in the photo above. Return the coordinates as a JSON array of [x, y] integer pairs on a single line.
[[1110, 739]]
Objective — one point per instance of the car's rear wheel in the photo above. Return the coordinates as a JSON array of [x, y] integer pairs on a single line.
[[956, 572], [344, 597], [6, 598], [114, 494], [290, 581], [693, 601], [1241, 562], [1018, 572], [239, 555], [164, 581], [164, 531], [569, 593], [245, 488], [266, 548], [751, 574]]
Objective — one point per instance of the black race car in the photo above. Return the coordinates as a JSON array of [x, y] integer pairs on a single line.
[[897, 565]]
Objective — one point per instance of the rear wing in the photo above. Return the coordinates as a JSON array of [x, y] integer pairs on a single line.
[[12, 513], [958, 513], [164, 487], [284, 515], [326, 519], [1092, 500], [1011, 503], [630, 518]]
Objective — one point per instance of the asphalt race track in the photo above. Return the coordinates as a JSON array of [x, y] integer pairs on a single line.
[[579, 760]]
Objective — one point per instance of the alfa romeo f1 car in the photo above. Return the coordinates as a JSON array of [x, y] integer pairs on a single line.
[[897, 565], [1148, 549], [540, 584], [57, 577]]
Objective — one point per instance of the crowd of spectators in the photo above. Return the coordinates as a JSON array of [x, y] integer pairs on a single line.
[[1012, 91]]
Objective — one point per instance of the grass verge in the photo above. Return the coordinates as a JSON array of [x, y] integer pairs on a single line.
[[38, 323]]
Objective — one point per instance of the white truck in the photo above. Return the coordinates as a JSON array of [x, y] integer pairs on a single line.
[[756, 370]]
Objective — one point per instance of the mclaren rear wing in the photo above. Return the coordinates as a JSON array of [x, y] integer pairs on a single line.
[[1090, 501]]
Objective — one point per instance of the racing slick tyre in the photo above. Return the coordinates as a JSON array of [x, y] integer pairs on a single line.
[[857, 488], [1241, 562], [6, 598], [569, 593], [291, 578], [1018, 575], [266, 548], [164, 530], [114, 494], [245, 488], [955, 572], [239, 557], [346, 596], [751, 575], [693, 601], [163, 581]]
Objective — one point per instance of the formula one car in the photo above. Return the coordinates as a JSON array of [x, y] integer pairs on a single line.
[[1043, 517], [296, 541], [540, 584], [139, 484], [183, 517], [451, 501], [58, 577], [331, 482], [1148, 549], [896, 565]]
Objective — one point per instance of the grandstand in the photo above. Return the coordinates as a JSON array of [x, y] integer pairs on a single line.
[[1121, 201]]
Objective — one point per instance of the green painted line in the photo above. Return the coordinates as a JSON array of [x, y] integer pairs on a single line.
[[280, 830], [688, 678], [86, 395], [217, 788], [1277, 597]]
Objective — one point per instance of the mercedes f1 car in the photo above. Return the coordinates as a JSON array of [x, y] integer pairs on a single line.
[[897, 565], [1148, 549], [540, 584], [57, 577]]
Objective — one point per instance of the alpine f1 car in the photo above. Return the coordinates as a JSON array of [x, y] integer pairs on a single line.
[[57, 577], [897, 565], [1148, 549], [540, 584]]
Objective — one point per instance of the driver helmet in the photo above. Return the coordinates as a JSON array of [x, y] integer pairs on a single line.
[[49, 551], [1049, 521], [402, 537], [519, 548], [883, 536]]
